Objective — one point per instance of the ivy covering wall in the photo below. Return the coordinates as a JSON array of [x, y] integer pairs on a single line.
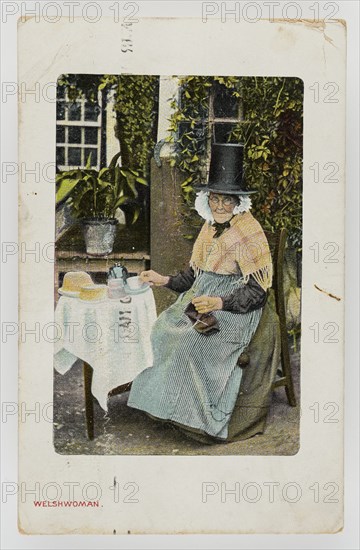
[[136, 109], [271, 130]]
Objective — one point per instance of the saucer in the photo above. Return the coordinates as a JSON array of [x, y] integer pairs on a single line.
[[140, 290], [69, 293]]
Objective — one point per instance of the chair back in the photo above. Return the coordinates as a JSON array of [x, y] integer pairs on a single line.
[[277, 243]]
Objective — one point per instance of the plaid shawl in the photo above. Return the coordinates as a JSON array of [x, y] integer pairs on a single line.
[[243, 248]]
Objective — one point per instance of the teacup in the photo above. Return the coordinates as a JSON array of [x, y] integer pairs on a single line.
[[116, 288], [115, 283], [134, 283]]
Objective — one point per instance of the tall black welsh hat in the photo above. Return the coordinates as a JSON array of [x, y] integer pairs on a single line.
[[226, 174]]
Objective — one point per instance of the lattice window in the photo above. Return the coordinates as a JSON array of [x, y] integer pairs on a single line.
[[78, 132], [215, 121], [225, 113]]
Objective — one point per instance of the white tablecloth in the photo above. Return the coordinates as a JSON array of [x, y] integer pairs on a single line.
[[112, 337]]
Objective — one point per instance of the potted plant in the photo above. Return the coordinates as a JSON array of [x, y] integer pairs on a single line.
[[95, 196]]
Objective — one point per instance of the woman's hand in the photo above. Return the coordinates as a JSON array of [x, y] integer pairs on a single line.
[[154, 278], [205, 304]]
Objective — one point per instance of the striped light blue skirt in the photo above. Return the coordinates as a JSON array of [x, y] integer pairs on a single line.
[[194, 379]]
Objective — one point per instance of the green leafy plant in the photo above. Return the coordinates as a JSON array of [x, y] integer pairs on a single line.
[[97, 194]]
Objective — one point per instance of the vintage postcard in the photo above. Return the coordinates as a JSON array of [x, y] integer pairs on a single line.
[[183, 321]]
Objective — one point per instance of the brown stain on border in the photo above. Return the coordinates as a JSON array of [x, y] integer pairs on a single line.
[[309, 22]]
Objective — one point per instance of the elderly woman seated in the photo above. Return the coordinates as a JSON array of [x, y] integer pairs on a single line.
[[194, 381]]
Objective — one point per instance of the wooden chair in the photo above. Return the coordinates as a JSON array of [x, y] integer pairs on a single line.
[[277, 242]]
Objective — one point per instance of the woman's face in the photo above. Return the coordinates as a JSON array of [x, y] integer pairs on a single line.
[[222, 207]]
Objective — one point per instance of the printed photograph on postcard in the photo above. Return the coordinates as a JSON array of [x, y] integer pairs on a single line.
[[191, 314], [178, 264]]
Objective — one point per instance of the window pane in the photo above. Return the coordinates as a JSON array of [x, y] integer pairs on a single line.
[[91, 135], [225, 104], [60, 134], [74, 154], [91, 111], [94, 156], [222, 132], [60, 110], [61, 92], [74, 112], [60, 156], [74, 134]]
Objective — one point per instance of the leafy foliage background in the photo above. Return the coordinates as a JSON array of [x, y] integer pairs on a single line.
[[271, 130]]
